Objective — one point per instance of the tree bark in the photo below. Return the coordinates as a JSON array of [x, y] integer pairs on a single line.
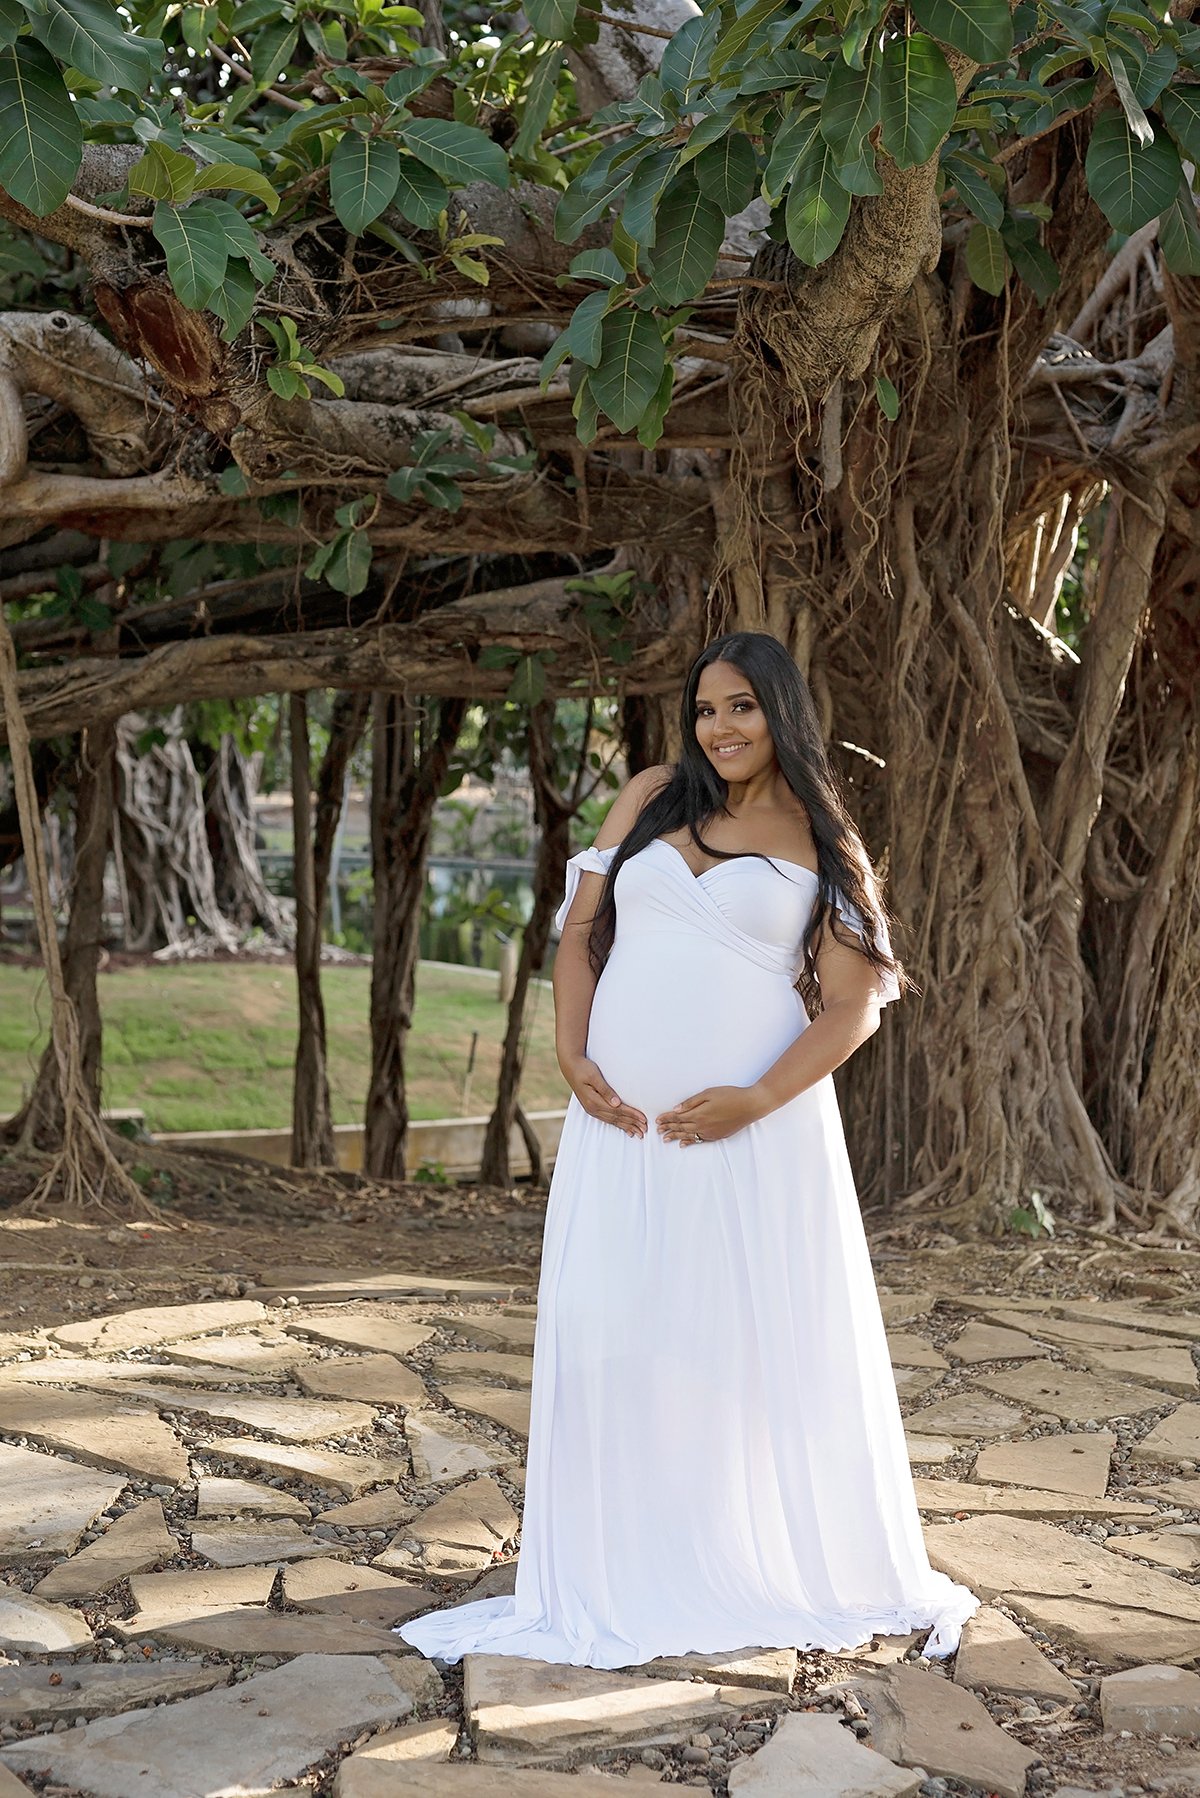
[[412, 744], [312, 1120]]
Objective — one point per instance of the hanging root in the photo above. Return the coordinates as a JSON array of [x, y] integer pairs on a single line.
[[84, 1173]]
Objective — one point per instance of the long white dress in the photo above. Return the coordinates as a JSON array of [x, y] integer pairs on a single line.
[[716, 1457]]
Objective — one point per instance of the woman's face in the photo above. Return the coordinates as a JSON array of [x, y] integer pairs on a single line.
[[730, 725]]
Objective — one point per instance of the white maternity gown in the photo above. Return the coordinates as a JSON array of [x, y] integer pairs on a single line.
[[716, 1458]]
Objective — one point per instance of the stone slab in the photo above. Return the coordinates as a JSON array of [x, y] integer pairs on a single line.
[[998, 1556], [364, 1593], [11, 1786], [994, 1653], [813, 1756], [496, 1329], [377, 1379], [1175, 1438], [1069, 1394], [366, 1775], [931, 1451], [147, 1327], [952, 1497], [992, 1342], [251, 1630], [30, 1625], [46, 1504], [512, 1368], [1076, 1462], [769, 1669], [245, 1738], [234, 1498], [498, 1404], [914, 1382], [537, 1713], [444, 1449], [377, 1511], [199, 1592], [908, 1350], [337, 1286], [131, 1544], [1153, 1700], [331, 1469], [920, 1720], [248, 1542], [1093, 1326], [1182, 1492], [1176, 1550], [290, 1419], [107, 1374], [99, 1690], [456, 1535], [1164, 1366], [262, 1352], [905, 1307], [969, 1414], [374, 1335], [108, 1432], [1111, 1634]]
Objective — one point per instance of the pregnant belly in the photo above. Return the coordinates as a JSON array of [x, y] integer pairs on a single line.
[[673, 1014]]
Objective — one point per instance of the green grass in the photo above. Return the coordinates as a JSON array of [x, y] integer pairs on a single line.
[[209, 1046]]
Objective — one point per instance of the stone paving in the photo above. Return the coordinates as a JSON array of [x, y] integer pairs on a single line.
[[213, 1515]]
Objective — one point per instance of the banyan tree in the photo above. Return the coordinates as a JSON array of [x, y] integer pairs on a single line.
[[875, 326]]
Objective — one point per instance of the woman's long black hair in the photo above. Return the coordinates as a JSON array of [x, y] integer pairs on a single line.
[[696, 793]]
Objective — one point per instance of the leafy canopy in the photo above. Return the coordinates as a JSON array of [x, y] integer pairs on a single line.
[[250, 113]]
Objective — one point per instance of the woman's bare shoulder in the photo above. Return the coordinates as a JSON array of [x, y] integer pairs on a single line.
[[629, 803]]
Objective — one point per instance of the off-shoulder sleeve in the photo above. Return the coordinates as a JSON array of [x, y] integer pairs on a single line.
[[588, 861], [889, 986]]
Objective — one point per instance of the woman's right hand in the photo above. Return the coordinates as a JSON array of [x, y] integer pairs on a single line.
[[600, 1101]]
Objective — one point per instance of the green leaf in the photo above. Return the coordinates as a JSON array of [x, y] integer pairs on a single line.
[[89, 35], [888, 398], [1179, 233], [685, 59], [654, 417], [981, 29], [240, 238], [987, 258], [195, 245], [728, 173], [817, 208], [861, 176], [347, 567], [458, 153], [363, 175], [687, 241], [235, 299], [539, 99], [1131, 106], [640, 207], [420, 194], [850, 108], [598, 265], [1030, 258], [231, 177], [735, 38], [163, 174], [1180, 107], [918, 99], [971, 182], [272, 50], [554, 19], [41, 140], [581, 339], [1130, 182], [793, 145], [631, 365], [12, 19]]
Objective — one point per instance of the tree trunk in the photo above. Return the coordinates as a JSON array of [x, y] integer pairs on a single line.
[[41, 1122], [411, 750], [312, 1120], [553, 814]]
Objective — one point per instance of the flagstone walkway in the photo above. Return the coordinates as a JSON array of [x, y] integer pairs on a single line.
[[212, 1515]]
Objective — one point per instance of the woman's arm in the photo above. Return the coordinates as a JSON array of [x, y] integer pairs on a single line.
[[573, 980], [850, 996]]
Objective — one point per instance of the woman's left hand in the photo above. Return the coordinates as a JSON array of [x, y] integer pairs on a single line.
[[717, 1112]]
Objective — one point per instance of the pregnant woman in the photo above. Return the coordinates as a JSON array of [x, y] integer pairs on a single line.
[[716, 1457]]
